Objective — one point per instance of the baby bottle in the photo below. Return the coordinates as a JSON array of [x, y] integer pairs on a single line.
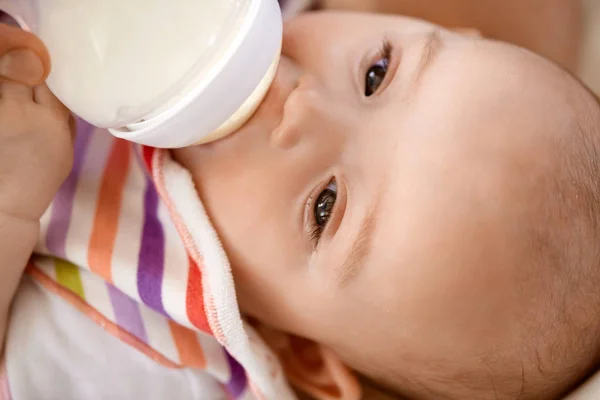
[[162, 73]]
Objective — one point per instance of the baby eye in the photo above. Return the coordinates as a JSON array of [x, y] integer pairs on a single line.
[[376, 73], [323, 208], [375, 76]]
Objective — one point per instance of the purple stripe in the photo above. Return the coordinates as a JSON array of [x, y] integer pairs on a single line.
[[237, 383], [63, 201], [152, 253], [127, 313]]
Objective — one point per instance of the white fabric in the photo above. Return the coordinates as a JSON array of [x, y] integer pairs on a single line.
[[46, 361]]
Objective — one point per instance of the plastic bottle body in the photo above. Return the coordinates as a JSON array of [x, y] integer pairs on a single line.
[[133, 66]]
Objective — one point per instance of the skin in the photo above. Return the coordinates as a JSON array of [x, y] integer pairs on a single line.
[[456, 122], [35, 132], [551, 28], [445, 171]]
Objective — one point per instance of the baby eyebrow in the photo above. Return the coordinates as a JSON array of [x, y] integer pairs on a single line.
[[430, 51], [361, 247]]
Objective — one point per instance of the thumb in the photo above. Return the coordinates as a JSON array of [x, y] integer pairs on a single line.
[[23, 56]]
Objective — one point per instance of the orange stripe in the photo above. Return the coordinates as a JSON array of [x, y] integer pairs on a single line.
[[98, 318], [190, 350], [194, 301], [106, 219]]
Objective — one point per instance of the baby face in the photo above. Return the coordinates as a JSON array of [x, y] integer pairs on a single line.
[[375, 202]]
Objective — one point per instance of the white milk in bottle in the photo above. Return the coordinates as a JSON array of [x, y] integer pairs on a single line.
[[157, 72]]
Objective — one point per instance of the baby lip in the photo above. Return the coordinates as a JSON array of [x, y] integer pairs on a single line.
[[270, 112], [285, 82]]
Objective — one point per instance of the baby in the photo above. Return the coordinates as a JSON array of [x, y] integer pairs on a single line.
[[422, 203], [427, 206], [428, 194]]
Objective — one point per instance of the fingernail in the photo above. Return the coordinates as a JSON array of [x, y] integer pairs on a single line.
[[21, 65]]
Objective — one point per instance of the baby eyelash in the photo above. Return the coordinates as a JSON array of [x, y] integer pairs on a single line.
[[316, 233], [386, 50]]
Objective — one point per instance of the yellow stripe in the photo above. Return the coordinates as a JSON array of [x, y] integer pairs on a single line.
[[67, 275]]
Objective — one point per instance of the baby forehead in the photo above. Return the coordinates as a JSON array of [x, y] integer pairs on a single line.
[[441, 198], [479, 65], [473, 166]]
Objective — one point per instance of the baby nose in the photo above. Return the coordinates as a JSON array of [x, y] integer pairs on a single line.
[[299, 108]]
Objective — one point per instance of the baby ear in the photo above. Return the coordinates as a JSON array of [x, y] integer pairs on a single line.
[[472, 32], [312, 368]]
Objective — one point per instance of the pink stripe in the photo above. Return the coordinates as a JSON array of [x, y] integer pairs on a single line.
[[99, 318], [127, 313], [63, 202]]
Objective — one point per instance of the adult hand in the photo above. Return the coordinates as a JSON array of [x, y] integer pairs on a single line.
[[36, 130], [24, 58]]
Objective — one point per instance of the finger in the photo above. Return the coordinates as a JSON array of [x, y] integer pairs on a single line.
[[43, 96], [23, 56], [21, 66], [15, 91]]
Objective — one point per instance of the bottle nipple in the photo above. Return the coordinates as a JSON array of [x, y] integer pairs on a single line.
[[247, 110]]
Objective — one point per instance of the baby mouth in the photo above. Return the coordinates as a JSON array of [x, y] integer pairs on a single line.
[[285, 82], [269, 114]]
